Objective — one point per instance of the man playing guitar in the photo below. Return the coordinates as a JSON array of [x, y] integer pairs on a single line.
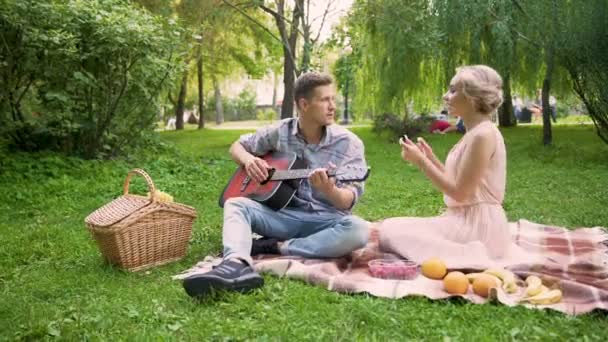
[[317, 222]]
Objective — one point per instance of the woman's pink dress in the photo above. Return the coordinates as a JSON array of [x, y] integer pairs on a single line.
[[475, 228]]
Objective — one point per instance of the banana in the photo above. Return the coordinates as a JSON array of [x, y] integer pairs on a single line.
[[509, 281], [545, 297], [162, 196], [473, 276], [505, 275], [510, 287], [534, 286]]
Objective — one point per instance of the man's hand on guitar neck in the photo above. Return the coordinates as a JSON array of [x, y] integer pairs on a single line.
[[320, 181], [257, 168]]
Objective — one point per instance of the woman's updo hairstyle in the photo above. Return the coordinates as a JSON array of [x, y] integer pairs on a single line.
[[482, 85]]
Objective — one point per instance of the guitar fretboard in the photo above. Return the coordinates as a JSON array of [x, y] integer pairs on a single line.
[[294, 174]]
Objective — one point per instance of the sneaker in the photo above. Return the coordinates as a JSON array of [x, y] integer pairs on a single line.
[[230, 275], [265, 246]]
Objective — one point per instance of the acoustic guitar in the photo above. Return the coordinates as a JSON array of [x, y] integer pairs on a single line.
[[284, 177]]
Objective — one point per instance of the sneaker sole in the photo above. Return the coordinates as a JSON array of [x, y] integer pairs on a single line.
[[199, 286]]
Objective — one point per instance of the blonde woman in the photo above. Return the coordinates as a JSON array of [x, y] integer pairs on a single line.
[[472, 181]]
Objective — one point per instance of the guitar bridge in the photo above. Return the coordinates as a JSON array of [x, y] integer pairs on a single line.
[[245, 183]]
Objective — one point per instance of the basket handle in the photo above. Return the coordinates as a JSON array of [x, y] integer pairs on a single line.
[[151, 187]]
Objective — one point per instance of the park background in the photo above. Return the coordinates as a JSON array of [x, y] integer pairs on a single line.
[[88, 87]]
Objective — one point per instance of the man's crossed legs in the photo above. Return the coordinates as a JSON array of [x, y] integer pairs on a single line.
[[307, 234]]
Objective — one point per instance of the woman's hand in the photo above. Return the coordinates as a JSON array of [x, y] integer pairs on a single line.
[[425, 148], [410, 152], [374, 235]]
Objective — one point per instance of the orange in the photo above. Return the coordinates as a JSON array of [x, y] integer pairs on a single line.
[[433, 268], [482, 285], [456, 283]]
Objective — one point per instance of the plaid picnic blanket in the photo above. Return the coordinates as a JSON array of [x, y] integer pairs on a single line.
[[574, 260]]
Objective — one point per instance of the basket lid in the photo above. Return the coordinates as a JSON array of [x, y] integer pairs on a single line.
[[117, 210]]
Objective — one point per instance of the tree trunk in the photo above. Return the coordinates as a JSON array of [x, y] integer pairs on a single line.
[[289, 54], [219, 108], [181, 100], [288, 85], [506, 117], [199, 74], [547, 134], [345, 119], [306, 48], [306, 52], [275, 85]]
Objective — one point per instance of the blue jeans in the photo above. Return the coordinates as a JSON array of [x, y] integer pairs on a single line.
[[517, 113], [554, 114], [307, 234]]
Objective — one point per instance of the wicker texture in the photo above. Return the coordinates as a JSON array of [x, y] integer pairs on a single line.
[[136, 232]]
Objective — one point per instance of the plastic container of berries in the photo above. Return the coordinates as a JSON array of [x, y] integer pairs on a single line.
[[393, 269]]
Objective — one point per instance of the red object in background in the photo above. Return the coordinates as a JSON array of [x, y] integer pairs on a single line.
[[440, 125]]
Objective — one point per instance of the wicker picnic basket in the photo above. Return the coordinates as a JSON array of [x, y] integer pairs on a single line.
[[138, 232]]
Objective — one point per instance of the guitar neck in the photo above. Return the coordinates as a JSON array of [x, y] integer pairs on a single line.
[[280, 175]]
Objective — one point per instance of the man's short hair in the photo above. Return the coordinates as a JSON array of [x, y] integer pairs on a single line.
[[306, 83]]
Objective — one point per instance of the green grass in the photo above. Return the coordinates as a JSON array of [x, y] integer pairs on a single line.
[[564, 120], [54, 284]]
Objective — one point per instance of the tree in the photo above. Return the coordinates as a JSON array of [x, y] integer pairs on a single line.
[[399, 48], [195, 15], [82, 78], [344, 72], [229, 34], [542, 32], [199, 77], [413, 50], [345, 66], [309, 42], [289, 36], [191, 13], [221, 41], [289, 30], [584, 57], [181, 99], [550, 66], [409, 51]]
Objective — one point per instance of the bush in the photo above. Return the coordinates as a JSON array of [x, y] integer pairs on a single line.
[[88, 74], [266, 115], [392, 125], [235, 109], [245, 105]]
